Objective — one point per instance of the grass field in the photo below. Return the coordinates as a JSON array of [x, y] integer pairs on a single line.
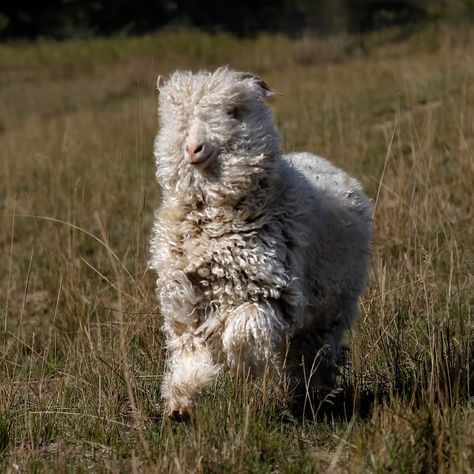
[[81, 352]]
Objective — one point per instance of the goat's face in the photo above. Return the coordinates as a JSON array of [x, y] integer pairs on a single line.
[[216, 130]]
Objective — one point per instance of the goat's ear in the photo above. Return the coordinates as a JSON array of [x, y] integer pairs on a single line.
[[265, 90], [160, 82]]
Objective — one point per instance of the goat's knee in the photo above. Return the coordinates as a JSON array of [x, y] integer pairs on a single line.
[[254, 335]]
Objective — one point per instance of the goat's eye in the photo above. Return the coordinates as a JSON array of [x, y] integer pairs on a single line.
[[235, 112]]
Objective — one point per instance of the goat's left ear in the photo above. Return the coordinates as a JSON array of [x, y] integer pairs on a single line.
[[160, 82], [266, 91]]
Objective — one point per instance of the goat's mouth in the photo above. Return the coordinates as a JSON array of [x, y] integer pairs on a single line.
[[202, 161]]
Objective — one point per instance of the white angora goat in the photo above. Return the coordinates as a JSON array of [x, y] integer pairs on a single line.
[[261, 257]]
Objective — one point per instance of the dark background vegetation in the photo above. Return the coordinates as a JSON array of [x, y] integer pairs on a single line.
[[60, 19]]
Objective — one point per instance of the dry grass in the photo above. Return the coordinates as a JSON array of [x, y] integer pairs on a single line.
[[80, 346]]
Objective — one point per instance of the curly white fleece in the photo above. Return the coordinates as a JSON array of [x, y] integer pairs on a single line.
[[257, 249]]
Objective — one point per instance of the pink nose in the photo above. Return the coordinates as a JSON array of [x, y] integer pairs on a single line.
[[194, 150], [198, 153]]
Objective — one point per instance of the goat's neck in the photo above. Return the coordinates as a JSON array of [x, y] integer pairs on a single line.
[[250, 212]]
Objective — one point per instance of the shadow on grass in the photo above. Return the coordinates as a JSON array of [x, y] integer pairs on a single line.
[[358, 400]]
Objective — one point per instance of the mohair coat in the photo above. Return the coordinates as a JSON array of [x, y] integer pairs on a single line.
[[261, 257]]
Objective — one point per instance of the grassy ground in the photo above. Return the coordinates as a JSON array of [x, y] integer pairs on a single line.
[[80, 346]]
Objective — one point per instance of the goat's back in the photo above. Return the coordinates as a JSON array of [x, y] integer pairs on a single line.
[[335, 214]]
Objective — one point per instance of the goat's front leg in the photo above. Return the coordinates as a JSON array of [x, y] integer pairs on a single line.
[[254, 336], [190, 370]]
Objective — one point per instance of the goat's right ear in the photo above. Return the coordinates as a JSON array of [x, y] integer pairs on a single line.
[[160, 82]]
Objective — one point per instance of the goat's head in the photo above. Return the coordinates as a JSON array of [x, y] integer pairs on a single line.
[[216, 133]]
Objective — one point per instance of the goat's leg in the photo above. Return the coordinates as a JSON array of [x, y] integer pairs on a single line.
[[190, 370], [254, 337]]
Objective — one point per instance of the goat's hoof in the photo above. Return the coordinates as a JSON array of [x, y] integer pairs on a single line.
[[179, 414]]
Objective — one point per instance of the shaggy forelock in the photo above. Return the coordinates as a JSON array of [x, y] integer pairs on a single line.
[[210, 90]]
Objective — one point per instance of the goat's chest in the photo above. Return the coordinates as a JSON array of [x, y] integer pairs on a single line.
[[231, 267]]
